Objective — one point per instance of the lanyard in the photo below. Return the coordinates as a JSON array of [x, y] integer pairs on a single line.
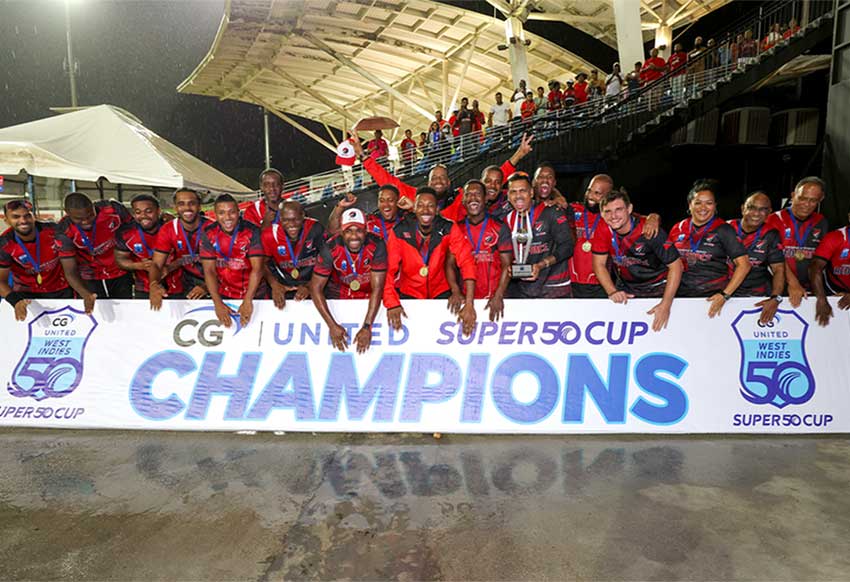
[[297, 248], [192, 253], [801, 240], [384, 224], [477, 248], [699, 231], [615, 238], [229, 254], [589, 234], [86, 241], [144, 242], [427, 241], [351, 260], [36, 265], [741, 235]]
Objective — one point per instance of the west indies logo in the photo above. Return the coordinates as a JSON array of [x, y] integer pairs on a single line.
[[52, 363], [774, 367]]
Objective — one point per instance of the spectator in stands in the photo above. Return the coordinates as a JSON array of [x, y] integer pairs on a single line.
[[500, 113], [233, 260], [644, 265], [29, 252], [581, 87], [712, 57], [555, 97], [528, 110], [540, 102], [676, 64], [802, 229], [596, 86], [264, 211], [86, 238], [438, 118], [773, 36], [352, 265], [707, 245], [408, 151], [517, 98], [764, 249], [724, 51], [747, 48], [792, 29], [569, 96], [451, 130], [463, 123], [634, 79], [417, 250], [614, 83], [423, 143], [478, 120], [735, 49], [378, 148], [653, 68], [829, 272]]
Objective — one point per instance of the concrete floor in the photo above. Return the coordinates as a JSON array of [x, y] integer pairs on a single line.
[[109, 505]]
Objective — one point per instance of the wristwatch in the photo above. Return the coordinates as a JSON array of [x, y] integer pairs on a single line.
[[726, 296], [777, 298]]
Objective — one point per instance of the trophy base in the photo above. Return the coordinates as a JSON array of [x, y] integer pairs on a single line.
[[520, 271]]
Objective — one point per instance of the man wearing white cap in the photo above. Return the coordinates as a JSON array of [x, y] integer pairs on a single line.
[[351, 265]]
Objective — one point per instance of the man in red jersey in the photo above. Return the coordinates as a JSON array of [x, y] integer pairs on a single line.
[[180, 241], [830, 272], [801, 229], [417, 250], [134, 247], [653, 68], [352, 265], [449, 203], [86, 246], [645, 266], [491, 251], [764, 249], [29, 251], [263, 212], [293, 249], [233, 260]]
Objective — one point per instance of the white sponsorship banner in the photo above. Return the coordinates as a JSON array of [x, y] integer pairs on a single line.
[[550, 366]]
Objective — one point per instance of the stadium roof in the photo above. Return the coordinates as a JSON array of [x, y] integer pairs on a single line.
[[334, 61]]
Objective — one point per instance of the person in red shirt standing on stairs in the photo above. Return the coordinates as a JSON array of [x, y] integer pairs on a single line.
[[417, 251]]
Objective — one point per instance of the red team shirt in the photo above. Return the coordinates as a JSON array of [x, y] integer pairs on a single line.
[[489, 239], [256, 211], [585, 224], [232, 257], [344, 268], [799, 238], [131, 238], [835, 250], [183, 246], [45, 250], [376, 224], [306, 250], [94, 250]]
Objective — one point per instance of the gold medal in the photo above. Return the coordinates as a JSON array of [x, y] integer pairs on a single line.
[[38, 278], [354, 285], [423, 271], [294, 273], [800, 256], [585, 246]]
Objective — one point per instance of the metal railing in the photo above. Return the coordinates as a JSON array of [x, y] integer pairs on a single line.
[[740, 44]]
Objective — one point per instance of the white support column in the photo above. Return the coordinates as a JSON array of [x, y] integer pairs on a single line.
[[445, 87], [629, 33], [515, 36], [663, 37]]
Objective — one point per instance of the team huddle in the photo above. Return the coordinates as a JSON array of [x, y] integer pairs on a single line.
[[507, 235]]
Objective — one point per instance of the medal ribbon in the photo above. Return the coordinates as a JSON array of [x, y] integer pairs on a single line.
[[694, 244], [477, 248], [298, 246], [36, 265], [741, 235], [144, 242], [89, 243], [229, 254], [589, 234], [351, 260], [801, 240], [427, 241], [615, 240], [384, 224], [197, 250]]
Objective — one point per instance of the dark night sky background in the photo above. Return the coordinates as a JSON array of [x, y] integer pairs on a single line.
[[133, 54]]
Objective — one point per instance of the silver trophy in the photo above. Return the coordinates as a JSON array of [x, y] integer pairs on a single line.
[[521, 238]]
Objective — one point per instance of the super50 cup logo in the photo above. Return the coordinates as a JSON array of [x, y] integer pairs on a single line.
[[52, 363], [774, 367]]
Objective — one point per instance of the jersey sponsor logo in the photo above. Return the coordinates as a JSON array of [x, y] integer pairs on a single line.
[[774, 367], [138, 248], [681, 237], [281, 250], [23, 259], [52, 363], [845, 253], [639, 248], [179, 245], [787, 233]]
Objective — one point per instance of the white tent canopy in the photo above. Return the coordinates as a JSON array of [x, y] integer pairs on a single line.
[[108, 142]]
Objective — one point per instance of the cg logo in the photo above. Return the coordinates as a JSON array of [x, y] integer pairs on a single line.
[[774, 367], [207, 333], [62, 321]]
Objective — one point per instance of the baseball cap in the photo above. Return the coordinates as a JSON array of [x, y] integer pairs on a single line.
[[352, 217]]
